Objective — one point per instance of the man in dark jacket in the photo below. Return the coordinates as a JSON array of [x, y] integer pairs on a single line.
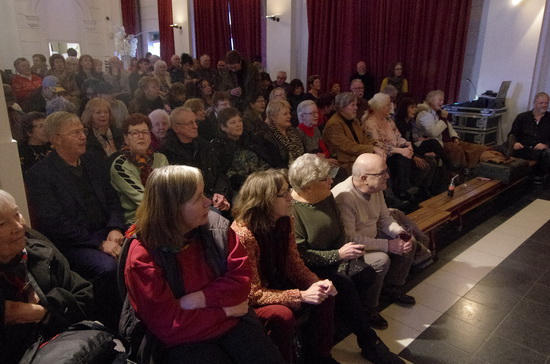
[[182, 145], [241, 80]]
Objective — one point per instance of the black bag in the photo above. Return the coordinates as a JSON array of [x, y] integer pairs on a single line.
[[87, 342], [507, 172]]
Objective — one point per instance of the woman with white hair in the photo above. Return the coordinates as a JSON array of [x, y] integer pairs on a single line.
[[385, 135], [160, 73]]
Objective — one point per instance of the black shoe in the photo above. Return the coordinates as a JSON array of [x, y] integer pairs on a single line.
[[538, 180], [395, 295], [380, 354], [376, 321]]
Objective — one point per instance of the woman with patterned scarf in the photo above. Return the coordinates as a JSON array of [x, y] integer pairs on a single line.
[[104, 138], [130, 170], [281, 141]]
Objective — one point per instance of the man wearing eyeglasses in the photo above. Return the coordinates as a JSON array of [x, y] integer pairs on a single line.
[[367, 221], [73, 204]]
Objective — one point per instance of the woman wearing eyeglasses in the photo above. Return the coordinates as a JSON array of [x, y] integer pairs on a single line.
[[130, 170], [396, 79], [104, 138]]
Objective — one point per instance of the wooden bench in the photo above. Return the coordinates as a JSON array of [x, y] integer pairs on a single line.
[[427, 219]]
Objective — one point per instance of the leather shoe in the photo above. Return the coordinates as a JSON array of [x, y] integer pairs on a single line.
[[380, 354], [376, 321], [396, 296]]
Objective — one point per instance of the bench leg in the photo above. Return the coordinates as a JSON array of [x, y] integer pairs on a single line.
[[432, 245]]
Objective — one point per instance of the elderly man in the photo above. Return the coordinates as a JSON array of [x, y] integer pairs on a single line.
[[241, 80], [205, 71], [389, 247], [358, 88], [368, 80], [182, 145], [39, 294], [24, 82], [75, 206], [530, 136], [280, 81]]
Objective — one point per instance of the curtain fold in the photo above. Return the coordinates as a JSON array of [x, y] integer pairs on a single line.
[[429, 37], [166, 32], [130, 20], [212, 32], [246, 27]]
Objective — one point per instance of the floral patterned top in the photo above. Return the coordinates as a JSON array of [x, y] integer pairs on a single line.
[[385, 138], [296, 271]]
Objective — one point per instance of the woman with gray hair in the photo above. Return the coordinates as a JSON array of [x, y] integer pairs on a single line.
[[324, 248], [382, 130], [344, 134], [281, 141]]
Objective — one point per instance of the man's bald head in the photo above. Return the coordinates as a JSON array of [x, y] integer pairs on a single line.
[[366, 163]]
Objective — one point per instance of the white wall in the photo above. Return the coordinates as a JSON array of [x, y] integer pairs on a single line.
[[182, 37], [508, 51]]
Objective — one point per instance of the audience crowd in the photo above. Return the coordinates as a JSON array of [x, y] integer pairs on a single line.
[[95, 144]]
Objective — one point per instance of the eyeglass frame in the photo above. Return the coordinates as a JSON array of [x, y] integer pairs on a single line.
[[136, 133], [76, 133], [384, 172]]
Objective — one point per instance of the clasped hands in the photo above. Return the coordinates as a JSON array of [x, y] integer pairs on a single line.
[[112, 245], [196, 300]]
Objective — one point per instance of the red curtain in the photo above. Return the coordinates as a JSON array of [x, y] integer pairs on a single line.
[[212, 32], [428, 36], [130, 20], [334, 41], [246, 27], [166, 32]]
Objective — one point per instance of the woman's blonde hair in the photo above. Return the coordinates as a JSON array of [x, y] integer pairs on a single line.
[[274, 107], [306, 169], [159, 217], [57, 121], [253, 206], [93, 105], [379, 100], [195, 104]]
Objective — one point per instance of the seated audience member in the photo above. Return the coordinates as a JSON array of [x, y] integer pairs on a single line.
[[160, 123], [75, 206], [282, 286], [117, 77], [240, 153], [14, 113], [344, 134], [295, 93], [426, 155], [134, 77], [277, 93], [281, 141], [200, 313], [189, 76], [310, 134], [130, 170], [367, 221], [161, 74], [147, 97], [266, 85], [98, 66], [86, 70], [280, 81], [59, 104], [205, 91], [254, 115], [67, 78], [71, 63], [104, 137], [358, 89], [325, 107], [367, 78], [35, 144], [207, 72], [386, 136], [182, 145], [241, 80], [51, 89], [322, 243], [432, 122], [314, 86], [334, 88], [106, 92], [39, 294], [39, 65], [396, 79], [24, 82], [530, 136], [176, 96], [175, 67], [209, 128]]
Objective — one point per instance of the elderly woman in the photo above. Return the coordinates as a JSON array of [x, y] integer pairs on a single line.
[[281, 141], [104, 138], [240, 153], [432, 122], [396, 79], [386, 136], [254, 114], [35, 144], [308, 115], [323, 245], [344, 134], [163, 76], [86, 71], [278, 93], [130, 170], [281, 283], [188, 277], [147, 98], [39, 294], [24, 82]]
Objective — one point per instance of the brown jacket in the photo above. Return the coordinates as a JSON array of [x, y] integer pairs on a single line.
[[341, 142]]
